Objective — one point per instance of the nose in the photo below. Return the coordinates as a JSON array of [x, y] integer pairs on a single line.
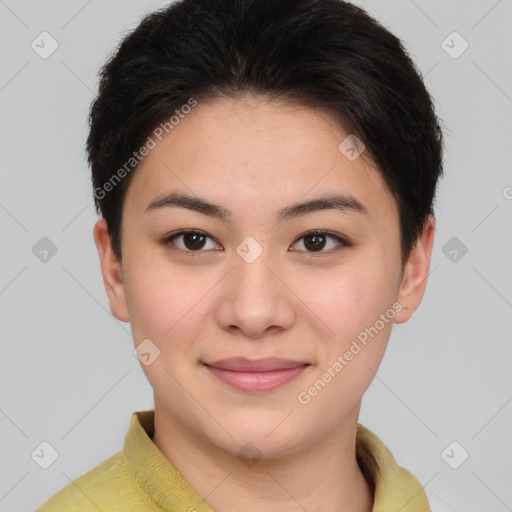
[[254, 299]]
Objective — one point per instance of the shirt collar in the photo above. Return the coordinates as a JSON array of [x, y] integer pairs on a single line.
[[394, 487]]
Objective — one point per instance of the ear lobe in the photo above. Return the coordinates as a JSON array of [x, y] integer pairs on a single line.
[[111, 271], [414, 281]]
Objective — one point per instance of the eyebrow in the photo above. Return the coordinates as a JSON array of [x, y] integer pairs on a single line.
[[340, 202]]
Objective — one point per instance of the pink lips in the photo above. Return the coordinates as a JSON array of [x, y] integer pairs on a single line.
[[256, 375]]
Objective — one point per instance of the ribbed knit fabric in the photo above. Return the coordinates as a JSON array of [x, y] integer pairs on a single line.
[[140, 478]]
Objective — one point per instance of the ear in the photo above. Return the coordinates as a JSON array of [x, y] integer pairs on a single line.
[[414, 280], [111, 271]]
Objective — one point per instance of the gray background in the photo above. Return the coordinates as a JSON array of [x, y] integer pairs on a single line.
[[69, 376]]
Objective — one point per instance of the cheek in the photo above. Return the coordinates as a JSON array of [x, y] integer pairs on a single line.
[[352, 298], [165, 308], [169, 306], [351, 303], [157, 299], [351, 351]]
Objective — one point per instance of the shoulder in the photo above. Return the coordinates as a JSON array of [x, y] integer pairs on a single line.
[[111, 486], [394, 487]]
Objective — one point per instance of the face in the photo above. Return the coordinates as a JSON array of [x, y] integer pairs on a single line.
[[258, 277]]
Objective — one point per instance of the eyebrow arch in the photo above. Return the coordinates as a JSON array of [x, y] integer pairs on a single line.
[[339, 202], [192, 203]]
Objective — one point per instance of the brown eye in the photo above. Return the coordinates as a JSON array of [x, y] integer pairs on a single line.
[[191, 241], [314, 242], [194, 241], [321, 242]]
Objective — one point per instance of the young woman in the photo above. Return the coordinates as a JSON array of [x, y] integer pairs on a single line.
[[265, 173]]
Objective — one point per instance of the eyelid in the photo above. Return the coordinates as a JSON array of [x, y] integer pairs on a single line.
[[342, 241], [169, 238]]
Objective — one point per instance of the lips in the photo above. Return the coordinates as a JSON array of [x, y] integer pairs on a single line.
[[260, 375]]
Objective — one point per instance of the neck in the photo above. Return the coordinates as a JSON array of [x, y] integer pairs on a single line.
[[322, 476]]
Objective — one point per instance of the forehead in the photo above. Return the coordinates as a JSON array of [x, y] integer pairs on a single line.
[[251, 153]]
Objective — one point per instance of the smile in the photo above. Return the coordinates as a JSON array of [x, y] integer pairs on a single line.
[[256, 376]]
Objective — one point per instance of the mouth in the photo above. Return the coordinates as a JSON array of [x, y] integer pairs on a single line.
[[256, 376]]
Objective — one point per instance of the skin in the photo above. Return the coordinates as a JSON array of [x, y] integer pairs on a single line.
[[254, 156]]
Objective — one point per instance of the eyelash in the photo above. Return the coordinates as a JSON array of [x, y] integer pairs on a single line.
[[339, 239]]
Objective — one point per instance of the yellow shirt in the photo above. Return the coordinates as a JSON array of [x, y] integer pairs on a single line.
[[140, 478]]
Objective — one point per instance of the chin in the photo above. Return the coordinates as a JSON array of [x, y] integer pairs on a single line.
[[267, 436]]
